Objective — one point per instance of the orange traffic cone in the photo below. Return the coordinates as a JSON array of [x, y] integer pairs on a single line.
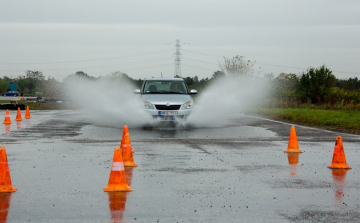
[[7, 118], [27, 113], [5, 180], [117, 200], [117, 180], [127, 152], [339, 160], [5, 199], [125, 131], [293, 146], [18, 115]]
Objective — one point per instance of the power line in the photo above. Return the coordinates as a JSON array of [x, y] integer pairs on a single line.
[[273, 65], [78, 61], [202, 53], [199, 61], [198, 67], [129, 63], [157, 66]]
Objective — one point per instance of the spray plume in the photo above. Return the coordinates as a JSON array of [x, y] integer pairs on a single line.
[[226, 98], [111, 102], [108, 101]]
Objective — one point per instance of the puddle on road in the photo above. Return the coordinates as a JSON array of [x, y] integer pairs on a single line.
[[71, 124], [221, 132]]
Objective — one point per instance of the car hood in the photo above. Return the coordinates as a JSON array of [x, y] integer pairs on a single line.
[[163, 99]]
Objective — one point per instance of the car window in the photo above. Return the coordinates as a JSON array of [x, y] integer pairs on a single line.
[[165, 87]]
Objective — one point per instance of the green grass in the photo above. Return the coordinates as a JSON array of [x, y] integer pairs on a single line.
[[4, 101], [341, 120]]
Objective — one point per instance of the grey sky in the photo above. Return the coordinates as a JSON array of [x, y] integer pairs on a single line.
[[99, 37]]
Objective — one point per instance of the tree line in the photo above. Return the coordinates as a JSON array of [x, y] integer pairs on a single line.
[[32, 83], [313, 86]]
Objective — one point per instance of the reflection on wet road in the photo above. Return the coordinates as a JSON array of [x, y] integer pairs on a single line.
[[339, 176], [60, 163], [5, 199], [293, 159], [117, 200]]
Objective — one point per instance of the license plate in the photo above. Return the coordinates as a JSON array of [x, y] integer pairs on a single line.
[[168, 113]]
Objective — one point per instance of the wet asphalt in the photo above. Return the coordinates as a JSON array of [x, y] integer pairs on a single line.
[[60, 163]]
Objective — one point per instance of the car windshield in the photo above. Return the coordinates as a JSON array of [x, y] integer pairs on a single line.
[[165, 87]]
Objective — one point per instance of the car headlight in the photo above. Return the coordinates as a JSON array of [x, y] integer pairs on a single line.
[[148, 105], [187, 105]]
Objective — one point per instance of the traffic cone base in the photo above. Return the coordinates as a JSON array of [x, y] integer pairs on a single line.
[[5, 180], [7, 118], [7, 189], [115, 187], [117, 179], [293, 146], [339, 166], [339, 160], [18, 115]]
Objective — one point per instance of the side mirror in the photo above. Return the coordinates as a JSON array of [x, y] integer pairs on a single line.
[[137, 91], [193, 92]]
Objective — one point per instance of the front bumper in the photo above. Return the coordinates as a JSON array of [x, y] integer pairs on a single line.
[[181, 114]]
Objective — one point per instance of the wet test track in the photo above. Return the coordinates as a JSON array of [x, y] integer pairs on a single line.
[[60, 163]]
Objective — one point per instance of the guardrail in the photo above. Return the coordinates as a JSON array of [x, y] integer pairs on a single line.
[[15, 98]]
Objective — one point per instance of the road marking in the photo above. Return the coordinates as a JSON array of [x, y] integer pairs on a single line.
[[303, 126]]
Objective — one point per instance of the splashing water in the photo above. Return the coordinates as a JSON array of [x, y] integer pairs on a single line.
[[224, 99], [109, 102]]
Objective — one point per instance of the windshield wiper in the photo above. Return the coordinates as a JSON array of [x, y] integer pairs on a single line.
[[164, 92], [174, 92]]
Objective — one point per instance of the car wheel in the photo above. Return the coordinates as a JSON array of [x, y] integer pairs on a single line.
[[4, 95]]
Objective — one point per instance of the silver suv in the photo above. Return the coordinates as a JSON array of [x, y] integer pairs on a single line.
[[166, 98]]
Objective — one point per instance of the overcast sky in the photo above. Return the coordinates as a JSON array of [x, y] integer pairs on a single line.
[[138, 37]]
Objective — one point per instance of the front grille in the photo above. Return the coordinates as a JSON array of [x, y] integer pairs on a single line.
[[164, 107]]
